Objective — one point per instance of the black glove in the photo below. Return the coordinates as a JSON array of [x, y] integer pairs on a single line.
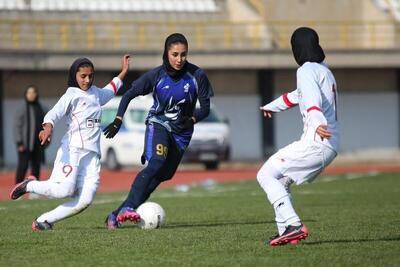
[[187, 123], [112, 129]]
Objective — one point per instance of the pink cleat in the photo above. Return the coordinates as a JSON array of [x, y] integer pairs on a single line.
[[41, 226], [294, 242], [292, 235], [126, 214], [111, 222]]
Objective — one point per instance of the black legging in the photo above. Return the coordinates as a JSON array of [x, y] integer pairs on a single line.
[[34, 157], [158, 170]]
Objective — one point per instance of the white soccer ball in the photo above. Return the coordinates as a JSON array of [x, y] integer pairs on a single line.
[[152, 216]]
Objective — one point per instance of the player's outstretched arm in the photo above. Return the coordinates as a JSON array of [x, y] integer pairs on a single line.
[[111, 89], [141, 86], [124, 66], [284, 102]]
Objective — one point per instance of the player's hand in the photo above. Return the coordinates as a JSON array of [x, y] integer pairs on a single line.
[[323, 132], [45, 134], [112, 129], [125, 63], [124, 66], [21, 148], [267, 113]]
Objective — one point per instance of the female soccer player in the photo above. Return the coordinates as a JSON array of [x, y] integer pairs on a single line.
[[303, 160], [76, 167], [176, 86]]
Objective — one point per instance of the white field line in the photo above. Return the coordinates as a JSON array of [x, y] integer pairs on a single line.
[[349, 176]]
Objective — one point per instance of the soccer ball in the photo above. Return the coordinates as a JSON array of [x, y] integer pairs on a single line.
[[152, 216]]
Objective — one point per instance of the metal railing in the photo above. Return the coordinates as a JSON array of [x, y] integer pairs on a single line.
[[100, 35]]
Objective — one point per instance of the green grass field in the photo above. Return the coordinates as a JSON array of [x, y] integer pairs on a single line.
[[353, 221]]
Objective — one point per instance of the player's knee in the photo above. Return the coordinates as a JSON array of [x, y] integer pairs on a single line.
[[154, 166], [65, 191], [261, 175], [268, 171], [168, 175]]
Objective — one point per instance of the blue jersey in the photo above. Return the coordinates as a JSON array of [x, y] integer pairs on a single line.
[[174, 100]]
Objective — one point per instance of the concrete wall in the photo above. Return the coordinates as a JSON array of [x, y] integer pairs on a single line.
[[317, 10], [367, 120], [348, 80], [245, 121], [51, 84]]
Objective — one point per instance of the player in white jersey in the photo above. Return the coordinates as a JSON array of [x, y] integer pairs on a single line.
[[303, 160], [77, 166]]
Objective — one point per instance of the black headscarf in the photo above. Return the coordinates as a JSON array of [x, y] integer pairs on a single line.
[[305, 46], [75, 68], [174, 38]]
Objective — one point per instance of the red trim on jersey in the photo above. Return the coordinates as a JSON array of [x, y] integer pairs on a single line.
[[287, 101], [114, 87], [314, 108]]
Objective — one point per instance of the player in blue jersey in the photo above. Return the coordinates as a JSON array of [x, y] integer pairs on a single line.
[[176, 86]]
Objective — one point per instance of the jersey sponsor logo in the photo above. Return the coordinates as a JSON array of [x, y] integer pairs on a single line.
[[91, 123], [186, 87]]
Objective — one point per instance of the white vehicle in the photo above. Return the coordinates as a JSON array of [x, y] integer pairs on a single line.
[[209, 144]]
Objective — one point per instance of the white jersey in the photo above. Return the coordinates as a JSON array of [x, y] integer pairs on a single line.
[[82, 110], [316, 95]]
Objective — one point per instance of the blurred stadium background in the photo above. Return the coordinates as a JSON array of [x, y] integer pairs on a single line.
[[244, 46]]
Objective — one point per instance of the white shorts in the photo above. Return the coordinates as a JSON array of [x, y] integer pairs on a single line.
[[302, 161], [76, 167]]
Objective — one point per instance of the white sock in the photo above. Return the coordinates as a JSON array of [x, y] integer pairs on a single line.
[[83, 199], [268, 178], [51, 189], [283, 206], [280, 223]]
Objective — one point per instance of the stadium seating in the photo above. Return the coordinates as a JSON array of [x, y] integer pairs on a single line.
[[111, 5], [141, 25]]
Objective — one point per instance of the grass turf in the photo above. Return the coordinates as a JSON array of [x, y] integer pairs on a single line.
[[353, 221]]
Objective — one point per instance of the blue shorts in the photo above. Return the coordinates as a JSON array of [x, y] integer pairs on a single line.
[[162, 144]]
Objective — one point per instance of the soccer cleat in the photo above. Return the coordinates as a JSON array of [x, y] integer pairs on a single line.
[[20, 189], [128, 213], [41, 226], [293, 242], [111, 222], [293, 234]]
